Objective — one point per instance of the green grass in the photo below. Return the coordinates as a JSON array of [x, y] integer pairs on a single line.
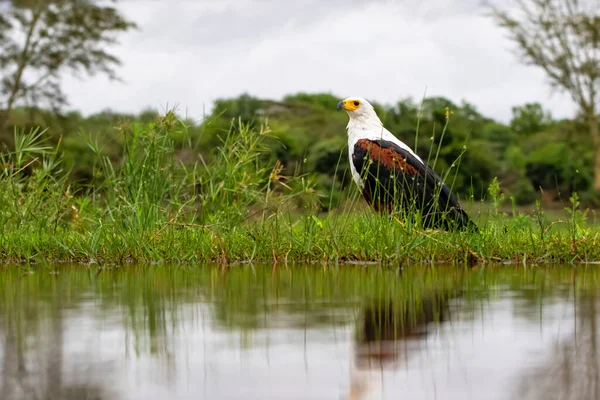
[[236, 206]]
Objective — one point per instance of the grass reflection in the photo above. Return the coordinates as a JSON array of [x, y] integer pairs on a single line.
[[44, 307]]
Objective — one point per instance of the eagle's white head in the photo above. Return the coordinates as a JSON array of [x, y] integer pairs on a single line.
[[359, 110], [364, 122]]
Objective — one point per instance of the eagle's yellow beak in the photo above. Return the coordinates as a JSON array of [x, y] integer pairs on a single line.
[[348, 105]]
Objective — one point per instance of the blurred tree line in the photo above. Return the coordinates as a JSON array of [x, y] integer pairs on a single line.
[[534, 156]]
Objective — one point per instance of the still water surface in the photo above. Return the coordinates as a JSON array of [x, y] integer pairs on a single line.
[[299, 332]]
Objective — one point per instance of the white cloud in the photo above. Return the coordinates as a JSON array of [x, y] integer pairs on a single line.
[[192, 52]]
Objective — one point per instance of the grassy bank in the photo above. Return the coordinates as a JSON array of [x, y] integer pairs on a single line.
[[166, 204]]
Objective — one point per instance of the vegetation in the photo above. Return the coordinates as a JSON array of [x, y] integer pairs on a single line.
[[535, 157], [562, 37], [165, 201]]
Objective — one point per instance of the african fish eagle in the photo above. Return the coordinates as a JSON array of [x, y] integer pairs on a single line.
[[391, 176]]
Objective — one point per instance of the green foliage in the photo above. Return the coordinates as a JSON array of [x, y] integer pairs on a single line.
[[145, 192], [524, 192], [307, 136], [529, 119], [555, 166], [576, 218], [328, 155], [244, 107], [326, 101], [496, 197], [33, 186], [561, 38], [236, 203]]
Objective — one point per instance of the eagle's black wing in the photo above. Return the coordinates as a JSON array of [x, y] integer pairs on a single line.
[[394, 178]]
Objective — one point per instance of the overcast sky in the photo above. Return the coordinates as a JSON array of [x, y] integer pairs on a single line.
[[190, 52]]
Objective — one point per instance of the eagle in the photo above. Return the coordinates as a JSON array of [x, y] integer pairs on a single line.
[[391, 177]]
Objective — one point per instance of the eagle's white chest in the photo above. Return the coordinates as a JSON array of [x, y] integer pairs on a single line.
[[355, 133]]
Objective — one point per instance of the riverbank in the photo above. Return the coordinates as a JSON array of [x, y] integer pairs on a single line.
[[336, 238], [239, 206]]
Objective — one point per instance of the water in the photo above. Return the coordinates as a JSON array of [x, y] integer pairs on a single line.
[[299, 332]]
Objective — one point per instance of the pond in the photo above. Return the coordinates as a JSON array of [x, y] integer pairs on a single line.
[[299, 332]]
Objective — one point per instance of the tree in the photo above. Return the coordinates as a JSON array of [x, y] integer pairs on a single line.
[[529, 119], [42, 39], [563, 38]]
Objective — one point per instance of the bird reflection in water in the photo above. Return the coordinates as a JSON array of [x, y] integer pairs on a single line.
[[388, 333]]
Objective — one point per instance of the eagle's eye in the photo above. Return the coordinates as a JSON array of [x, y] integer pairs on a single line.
[[356, 103]]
